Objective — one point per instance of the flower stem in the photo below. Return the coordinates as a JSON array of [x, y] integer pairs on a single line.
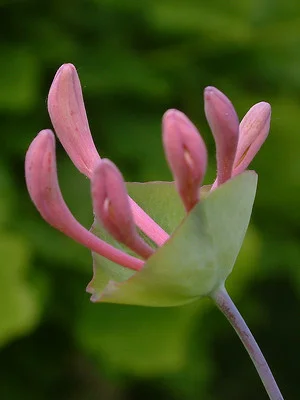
[[228, 308]]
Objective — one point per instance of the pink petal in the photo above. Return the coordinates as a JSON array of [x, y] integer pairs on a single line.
[[186, 155], [112, 208], [224, 125], [43, 187], [69, 119], [254, 130]]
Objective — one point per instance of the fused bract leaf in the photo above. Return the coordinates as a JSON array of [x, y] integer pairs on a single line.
[[196, 259]]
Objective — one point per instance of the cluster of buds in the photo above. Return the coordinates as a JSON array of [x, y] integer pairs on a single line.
[[236, 145]]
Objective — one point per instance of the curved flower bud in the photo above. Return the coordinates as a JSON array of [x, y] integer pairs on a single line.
[[43, 187], [112, 208], [69, 119], [254, 130], [224, 125], [186, 155]]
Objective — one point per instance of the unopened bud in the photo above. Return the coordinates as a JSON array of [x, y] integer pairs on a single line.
[[69, 119], [224, 125], [111, 206], [254, 130], [186, 154], [43, 187]]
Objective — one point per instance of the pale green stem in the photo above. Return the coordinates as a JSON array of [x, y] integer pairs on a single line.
[[228, 308]]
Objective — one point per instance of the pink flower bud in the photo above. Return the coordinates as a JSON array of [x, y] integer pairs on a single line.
[[186, 155], [224, 125], [112, 208], [43, 187], [254, 130], [69, 119]]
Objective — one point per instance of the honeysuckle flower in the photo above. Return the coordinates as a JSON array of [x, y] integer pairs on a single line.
[[111, 206], [43, 187], [186, 154], [224, 124], [188, 236], [236, 144], [69, 119], [117, 215], [253, 131]]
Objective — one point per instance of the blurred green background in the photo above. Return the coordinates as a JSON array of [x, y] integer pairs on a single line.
[[136, 59]]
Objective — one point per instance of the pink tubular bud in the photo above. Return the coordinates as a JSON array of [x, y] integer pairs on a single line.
[[69, 119], [254, 130], [43, 187], [111, 206], [186, 155], [224, 125]]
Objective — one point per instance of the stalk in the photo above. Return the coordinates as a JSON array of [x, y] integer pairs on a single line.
[[228, 308]]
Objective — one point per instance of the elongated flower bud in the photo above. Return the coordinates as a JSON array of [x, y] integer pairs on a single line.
[[254, 130], [112, 208], [186, 155], [69, 119], [224, 125], [43, 187]]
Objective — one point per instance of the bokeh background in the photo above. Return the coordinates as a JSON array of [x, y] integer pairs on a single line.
[[137, 58]]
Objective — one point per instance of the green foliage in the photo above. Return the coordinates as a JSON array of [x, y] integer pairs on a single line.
[[135, 60], [120, 336], [19, 79], [20, 306], [19, 311]]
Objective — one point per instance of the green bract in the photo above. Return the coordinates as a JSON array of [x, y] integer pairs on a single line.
[[196, 259]]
